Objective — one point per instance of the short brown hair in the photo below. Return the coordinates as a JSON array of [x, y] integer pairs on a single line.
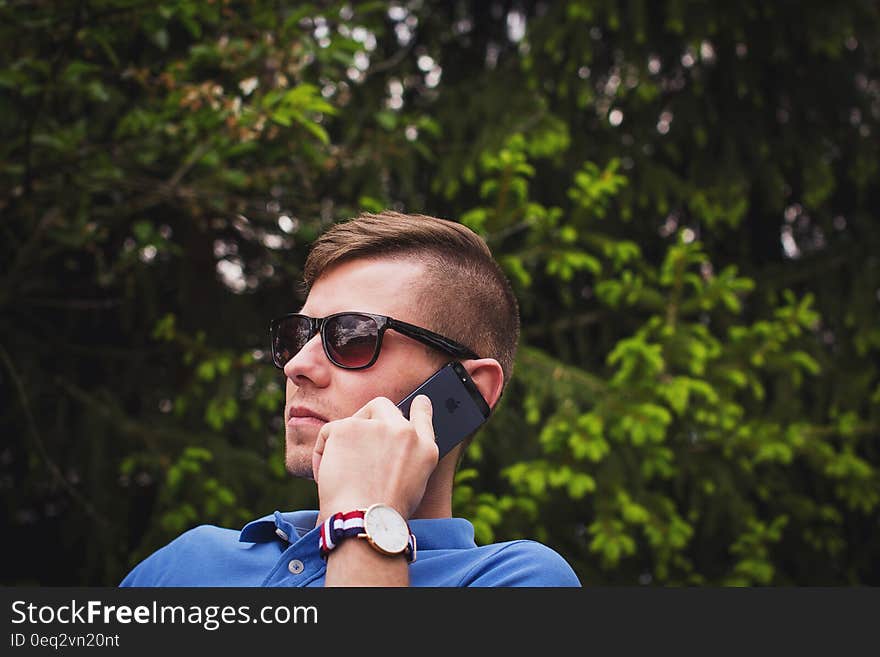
[[466, 295]]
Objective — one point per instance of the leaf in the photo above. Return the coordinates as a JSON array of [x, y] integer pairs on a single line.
[[580, 484]]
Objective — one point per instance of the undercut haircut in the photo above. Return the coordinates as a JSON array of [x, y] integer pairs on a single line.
[[464, 293]]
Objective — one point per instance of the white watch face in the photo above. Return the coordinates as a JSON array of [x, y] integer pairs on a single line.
[[386, 528]]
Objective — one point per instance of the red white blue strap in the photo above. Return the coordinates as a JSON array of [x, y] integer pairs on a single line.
[[339, 526]]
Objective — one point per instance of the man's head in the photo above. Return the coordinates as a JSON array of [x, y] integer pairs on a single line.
[[430, 272]]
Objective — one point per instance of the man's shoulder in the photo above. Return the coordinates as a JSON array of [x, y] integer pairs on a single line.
[[204, 537], [522, 562], [184, 554]]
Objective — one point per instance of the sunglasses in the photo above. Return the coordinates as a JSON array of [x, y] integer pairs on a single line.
[[351, 340]]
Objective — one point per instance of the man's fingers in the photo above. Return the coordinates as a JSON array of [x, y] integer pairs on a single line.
[[321, 439], [420, 414], [378, 407], [318, 451]]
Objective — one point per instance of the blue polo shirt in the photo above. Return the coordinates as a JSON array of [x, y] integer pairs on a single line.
[[282, 550]]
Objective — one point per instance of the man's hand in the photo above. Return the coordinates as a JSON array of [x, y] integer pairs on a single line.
[[376, 455]]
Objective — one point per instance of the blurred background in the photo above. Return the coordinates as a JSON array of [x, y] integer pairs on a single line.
[[683, 193]]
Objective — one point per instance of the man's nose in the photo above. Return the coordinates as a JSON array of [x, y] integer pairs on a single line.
[[310, 363]]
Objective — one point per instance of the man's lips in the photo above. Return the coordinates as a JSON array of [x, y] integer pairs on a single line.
[[301, 414]]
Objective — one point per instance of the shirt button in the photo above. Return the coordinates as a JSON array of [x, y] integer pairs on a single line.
[[282, 535], [295, 566]]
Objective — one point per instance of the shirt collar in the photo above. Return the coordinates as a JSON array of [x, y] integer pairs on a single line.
[[289, 527], [431, 533]]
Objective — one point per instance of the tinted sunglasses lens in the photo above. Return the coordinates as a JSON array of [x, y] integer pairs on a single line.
[[351, 340], [289, 336]]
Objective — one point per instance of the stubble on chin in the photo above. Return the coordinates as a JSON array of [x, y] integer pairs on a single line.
[[298, 455], [298, 465]]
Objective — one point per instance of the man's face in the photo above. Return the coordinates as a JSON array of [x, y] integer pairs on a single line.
[[317, 387]]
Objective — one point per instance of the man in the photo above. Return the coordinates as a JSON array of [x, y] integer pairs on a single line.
[[378, 473]]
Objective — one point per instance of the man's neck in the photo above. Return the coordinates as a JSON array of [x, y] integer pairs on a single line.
[[437, 500]]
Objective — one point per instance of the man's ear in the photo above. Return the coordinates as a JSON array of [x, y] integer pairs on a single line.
[[488, 377]]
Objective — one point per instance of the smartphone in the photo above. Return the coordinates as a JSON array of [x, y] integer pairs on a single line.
[[458, 407]]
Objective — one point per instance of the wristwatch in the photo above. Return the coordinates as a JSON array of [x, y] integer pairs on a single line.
[[383, 527]]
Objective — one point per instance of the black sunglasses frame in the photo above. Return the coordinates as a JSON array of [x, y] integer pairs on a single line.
[[383, 322]]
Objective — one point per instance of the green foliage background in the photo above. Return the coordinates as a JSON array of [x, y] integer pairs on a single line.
[[683, 193]]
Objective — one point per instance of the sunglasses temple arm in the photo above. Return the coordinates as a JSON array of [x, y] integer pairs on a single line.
[[435, 340]]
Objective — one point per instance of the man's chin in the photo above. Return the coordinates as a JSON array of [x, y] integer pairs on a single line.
[[299, 464], [298, 454]]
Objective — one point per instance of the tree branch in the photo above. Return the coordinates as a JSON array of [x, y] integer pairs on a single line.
[[53, 468]]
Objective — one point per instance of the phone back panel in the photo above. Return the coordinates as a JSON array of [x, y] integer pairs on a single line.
[[458, 407]]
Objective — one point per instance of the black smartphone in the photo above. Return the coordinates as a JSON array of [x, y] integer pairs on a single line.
[[458, 407]]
